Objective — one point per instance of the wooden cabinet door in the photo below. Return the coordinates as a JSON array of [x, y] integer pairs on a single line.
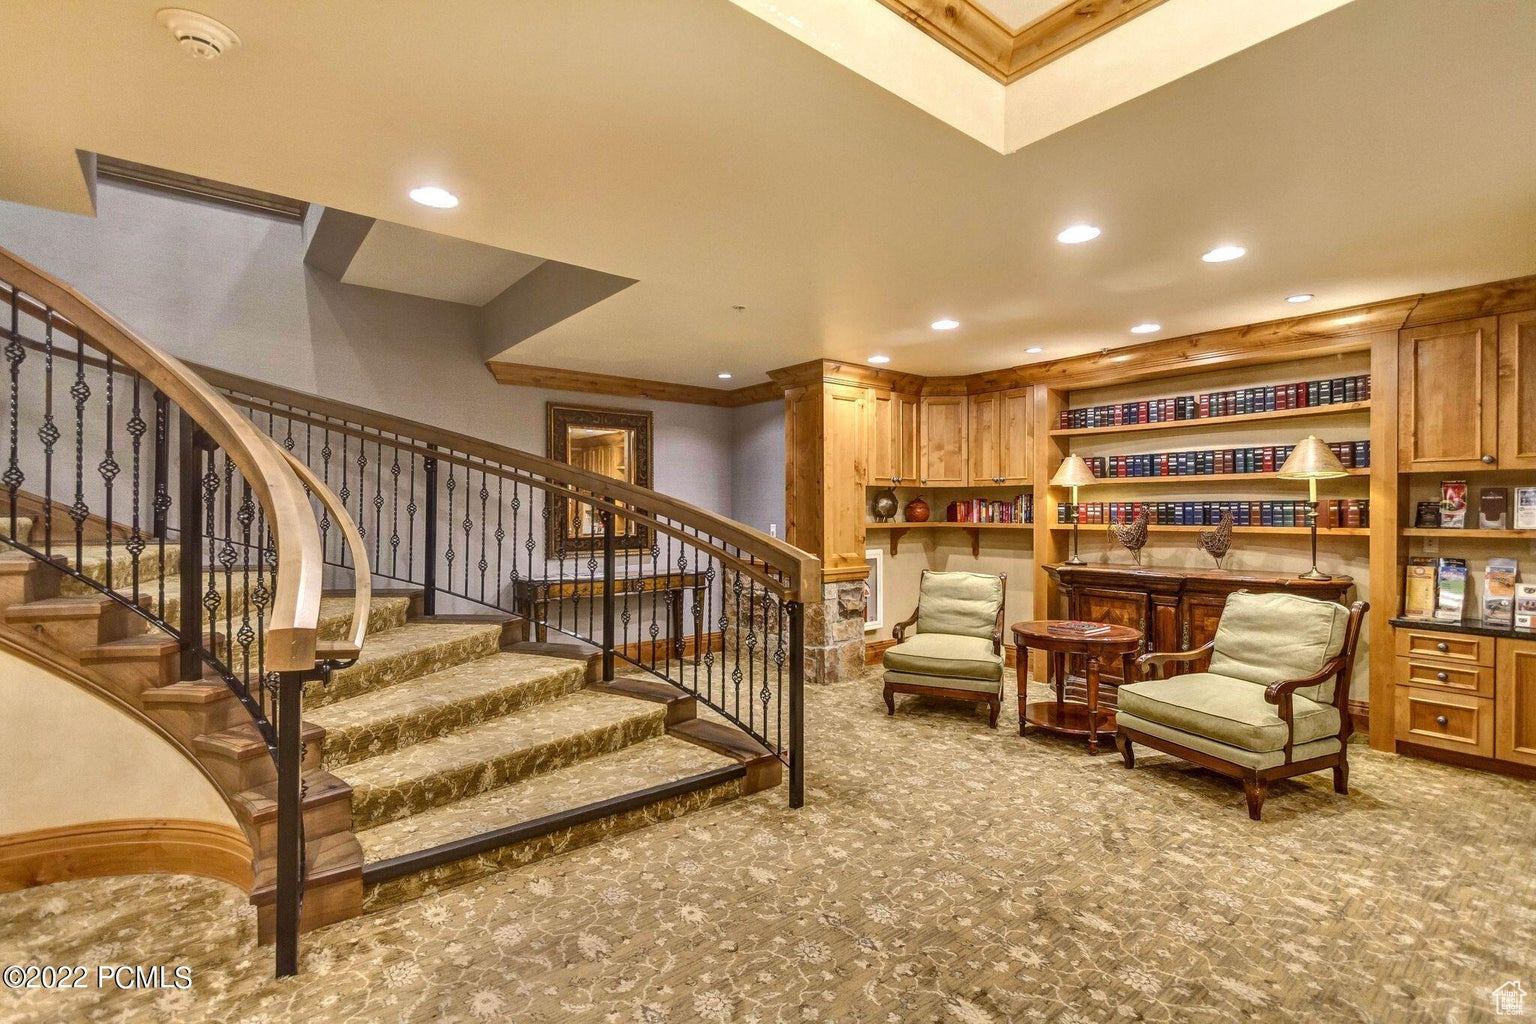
[[1517, 391], [905, 451], [983, 440], [1201, 616], [1015, 449], [846, 451], [944, 453], [1515, 702], [882, 438], [1120, 607], [1448, 395]]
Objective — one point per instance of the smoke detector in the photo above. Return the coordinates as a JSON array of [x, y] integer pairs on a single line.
[[198, 35]]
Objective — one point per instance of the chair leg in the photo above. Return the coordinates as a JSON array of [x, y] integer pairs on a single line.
[[1127, 752], [996, 705], [890, 700], [1341, 777], [1255, 787]]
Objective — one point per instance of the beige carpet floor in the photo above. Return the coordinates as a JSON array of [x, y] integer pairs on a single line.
[[941, 871]]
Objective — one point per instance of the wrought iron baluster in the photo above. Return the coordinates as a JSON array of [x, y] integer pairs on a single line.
[[449, 555], [501, 536], [245, 637], [378, 497], [483, 564], [109, 469], [48, 433], [736, 589], [394, 509], [15, 354], [653, 631], [162, 498], [227, 558], [137, 428], [80, 391], [344, 494], [468, 524]]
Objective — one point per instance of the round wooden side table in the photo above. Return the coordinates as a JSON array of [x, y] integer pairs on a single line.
[[1070, 717]]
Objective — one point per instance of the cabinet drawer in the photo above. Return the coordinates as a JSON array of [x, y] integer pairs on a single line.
[[1423, 643], [1475, 680], [1451, 721]]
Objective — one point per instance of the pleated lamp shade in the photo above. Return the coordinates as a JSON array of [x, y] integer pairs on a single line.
[[1311, 460], [1074, 472]]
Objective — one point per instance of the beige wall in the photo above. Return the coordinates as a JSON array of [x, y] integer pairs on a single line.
[[71, 757], [949, 550]]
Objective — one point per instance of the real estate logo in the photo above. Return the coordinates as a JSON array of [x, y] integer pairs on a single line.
[[1509, 1000]]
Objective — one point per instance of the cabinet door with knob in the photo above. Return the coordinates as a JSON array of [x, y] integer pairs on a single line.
[[1515, 702], [984, 440], [1517, 390], [893, 433], [906, 457], [944, 451], [1000, 437], [1448, 397]]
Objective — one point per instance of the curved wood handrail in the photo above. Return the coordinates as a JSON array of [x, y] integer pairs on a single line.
[[362, 586], [800, 571], [295, 614]]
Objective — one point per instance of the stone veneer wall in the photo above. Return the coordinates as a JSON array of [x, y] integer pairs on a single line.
[[834, 633]]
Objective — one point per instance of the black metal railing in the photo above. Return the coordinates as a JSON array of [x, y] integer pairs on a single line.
[[660, 587], [135, 498]]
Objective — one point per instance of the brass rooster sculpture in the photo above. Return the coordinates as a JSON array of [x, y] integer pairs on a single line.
[[1132, 535], [1218, 542]]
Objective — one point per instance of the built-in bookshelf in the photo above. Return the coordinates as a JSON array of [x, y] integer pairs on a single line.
[[1207, 422], [894, 531]]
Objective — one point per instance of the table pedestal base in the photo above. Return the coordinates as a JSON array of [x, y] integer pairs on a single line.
[[1068, 719]]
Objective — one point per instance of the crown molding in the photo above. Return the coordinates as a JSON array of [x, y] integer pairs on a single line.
[[971, 31], [553, 378]]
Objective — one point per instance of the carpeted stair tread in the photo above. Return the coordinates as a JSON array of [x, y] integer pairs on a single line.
[[448, 768], [439, 703], [94, 561], [406, 652], [652, 762], [23, 526], [387, 611]]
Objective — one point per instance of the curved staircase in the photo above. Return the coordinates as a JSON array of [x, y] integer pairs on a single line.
[[431, 749]]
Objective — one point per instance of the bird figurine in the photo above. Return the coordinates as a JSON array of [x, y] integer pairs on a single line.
[[1132, 535], [1218, 542]]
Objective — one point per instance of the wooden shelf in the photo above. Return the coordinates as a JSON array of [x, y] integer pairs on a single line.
[[1481, 534], [1207, 478], [897, 530], [1205, 421], [1289, 531]]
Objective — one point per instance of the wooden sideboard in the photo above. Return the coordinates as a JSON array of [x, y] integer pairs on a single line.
[[1175, 609]]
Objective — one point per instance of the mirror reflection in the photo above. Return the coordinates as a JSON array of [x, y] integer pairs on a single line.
[[615, 443]]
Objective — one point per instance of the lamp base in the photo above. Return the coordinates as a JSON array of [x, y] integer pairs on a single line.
[[1074, 560], [1313, 574]]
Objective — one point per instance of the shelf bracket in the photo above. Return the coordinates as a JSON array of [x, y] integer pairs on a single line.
[[975, 540], [896, 536]]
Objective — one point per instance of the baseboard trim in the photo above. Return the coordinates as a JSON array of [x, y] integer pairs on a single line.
[[1360, 715], [658, 651], [134, 846]]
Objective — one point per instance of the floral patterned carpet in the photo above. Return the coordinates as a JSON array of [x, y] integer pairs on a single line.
[[940, 871]]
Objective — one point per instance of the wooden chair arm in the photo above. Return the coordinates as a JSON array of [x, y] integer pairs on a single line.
[[1158, 660], [1284, 688], [899, 631]]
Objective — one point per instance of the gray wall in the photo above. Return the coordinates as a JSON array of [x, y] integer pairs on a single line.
[[230, 289]]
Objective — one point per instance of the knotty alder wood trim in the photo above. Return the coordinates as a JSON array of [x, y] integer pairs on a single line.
[[969, 30], [131, 846], [555, 379]]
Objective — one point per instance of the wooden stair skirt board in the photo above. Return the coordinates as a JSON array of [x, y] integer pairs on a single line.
[[137, 846]]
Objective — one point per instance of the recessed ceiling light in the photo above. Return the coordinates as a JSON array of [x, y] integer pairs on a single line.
[[945, 324], [1300, 297], [1224, 254], [437, 198], [723, 376], [878, 360], [1078, 233], [1033, 351], [1146, 328]]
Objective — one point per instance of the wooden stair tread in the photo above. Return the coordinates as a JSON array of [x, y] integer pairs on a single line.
[[144, 645], [260, 802], [329, 859], [722, 738], [245, 740], [79, 606], [575, 726], [441, 702], [210, 690], [636, 767]]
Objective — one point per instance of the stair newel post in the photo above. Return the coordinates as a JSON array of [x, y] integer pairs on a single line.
[[608, 575], [796, 611], [290, 830], [191, 442], [429, 537]]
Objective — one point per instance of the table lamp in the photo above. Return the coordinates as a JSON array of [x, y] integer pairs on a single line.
[[1074, 473], [1311, 460]]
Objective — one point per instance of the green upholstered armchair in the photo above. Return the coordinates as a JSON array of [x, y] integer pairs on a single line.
[[1273, 704], [955, 644]]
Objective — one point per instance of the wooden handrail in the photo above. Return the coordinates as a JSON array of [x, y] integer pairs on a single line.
[[295, 614], [799, 572], [362, 587]]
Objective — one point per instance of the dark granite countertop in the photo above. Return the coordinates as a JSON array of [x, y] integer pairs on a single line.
[[1472, 628]]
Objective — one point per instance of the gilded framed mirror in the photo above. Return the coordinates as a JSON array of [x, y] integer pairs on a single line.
[[612, 442]]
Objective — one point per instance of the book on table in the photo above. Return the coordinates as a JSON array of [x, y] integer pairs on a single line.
[[1077, 627]]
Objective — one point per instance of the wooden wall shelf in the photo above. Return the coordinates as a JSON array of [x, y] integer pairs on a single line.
[[896, 531], [1452, 534], [1186, 478], [1290, 531], [1207, 421]]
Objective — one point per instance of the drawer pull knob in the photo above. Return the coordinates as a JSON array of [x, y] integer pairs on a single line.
[[1441, 676], [1488, 460], [1442, 646], [1442, 721]]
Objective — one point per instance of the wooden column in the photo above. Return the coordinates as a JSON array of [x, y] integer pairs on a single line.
[[1388, 548]]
